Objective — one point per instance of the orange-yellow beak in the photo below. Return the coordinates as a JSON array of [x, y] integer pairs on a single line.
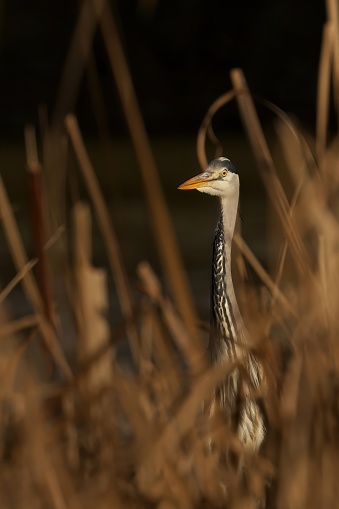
[[198, 181]]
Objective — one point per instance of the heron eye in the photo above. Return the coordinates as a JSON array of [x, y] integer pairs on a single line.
[[224, 173]]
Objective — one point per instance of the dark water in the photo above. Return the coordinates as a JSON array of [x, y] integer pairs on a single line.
[[194, 215]]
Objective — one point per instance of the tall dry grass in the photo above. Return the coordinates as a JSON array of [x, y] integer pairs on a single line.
[[93, 433]]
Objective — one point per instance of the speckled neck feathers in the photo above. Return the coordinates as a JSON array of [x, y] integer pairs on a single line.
[[226, 322], [229, 337]]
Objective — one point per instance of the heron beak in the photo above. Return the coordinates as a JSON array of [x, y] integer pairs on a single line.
[[198, 181]]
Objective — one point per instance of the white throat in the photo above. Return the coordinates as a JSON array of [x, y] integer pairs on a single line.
[[229, 210]]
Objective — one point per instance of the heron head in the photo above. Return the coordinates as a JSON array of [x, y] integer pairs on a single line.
[[219, 179]]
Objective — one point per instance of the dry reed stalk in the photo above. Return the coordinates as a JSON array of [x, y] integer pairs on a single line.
[[18, 325], [323, 93], [76, 60], [323, 276], [71, 432], [309, 422], [333, 17], [16, 280], [158, 356], [265, 278], [100, 115], [14, 360], [17, 248], [205, 128], [38, 218], [55, 156], [312, 209], [283, 253], [152, 287], [107, 230], [266, 166], [92, 303], [289, 396], [296, 460], [160, 219], [147, 334], [29, 284]]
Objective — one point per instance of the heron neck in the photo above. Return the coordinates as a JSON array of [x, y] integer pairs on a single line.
[[226, 321], [229, 211]]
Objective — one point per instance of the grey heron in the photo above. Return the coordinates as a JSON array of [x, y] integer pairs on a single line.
[[229, 339]]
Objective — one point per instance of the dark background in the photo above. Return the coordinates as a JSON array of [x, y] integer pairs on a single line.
[[180, 53]]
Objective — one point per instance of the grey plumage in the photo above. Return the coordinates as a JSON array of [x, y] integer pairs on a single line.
[[229, 339], [223, 324]]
